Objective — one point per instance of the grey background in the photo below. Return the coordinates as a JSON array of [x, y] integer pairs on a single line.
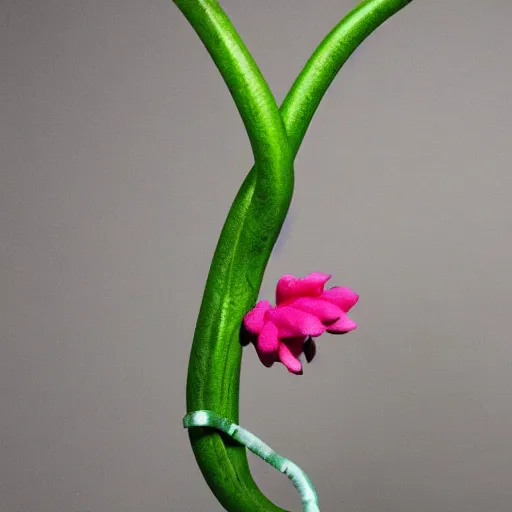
[[121, 153]]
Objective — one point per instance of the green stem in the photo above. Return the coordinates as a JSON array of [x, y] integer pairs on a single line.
[[233, 284], [253, 225]]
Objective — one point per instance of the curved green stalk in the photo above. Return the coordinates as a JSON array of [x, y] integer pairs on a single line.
[[246, 239], [214, 368], [300, 104]]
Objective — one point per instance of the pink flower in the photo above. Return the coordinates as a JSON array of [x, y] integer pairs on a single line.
[[303, 310]]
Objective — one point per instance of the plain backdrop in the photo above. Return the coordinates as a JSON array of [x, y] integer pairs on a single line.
[[121, 151]]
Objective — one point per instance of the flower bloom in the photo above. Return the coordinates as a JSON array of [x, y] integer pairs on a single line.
[[303, 310]]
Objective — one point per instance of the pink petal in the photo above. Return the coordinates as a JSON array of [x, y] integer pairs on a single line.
[[325, 311], [254, 320], [268, 342], [344, 324], [289, 360], [292, 322], [291, 287], [344, 298]]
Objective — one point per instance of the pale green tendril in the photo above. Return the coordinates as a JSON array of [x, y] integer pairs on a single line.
[[298, 477]]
